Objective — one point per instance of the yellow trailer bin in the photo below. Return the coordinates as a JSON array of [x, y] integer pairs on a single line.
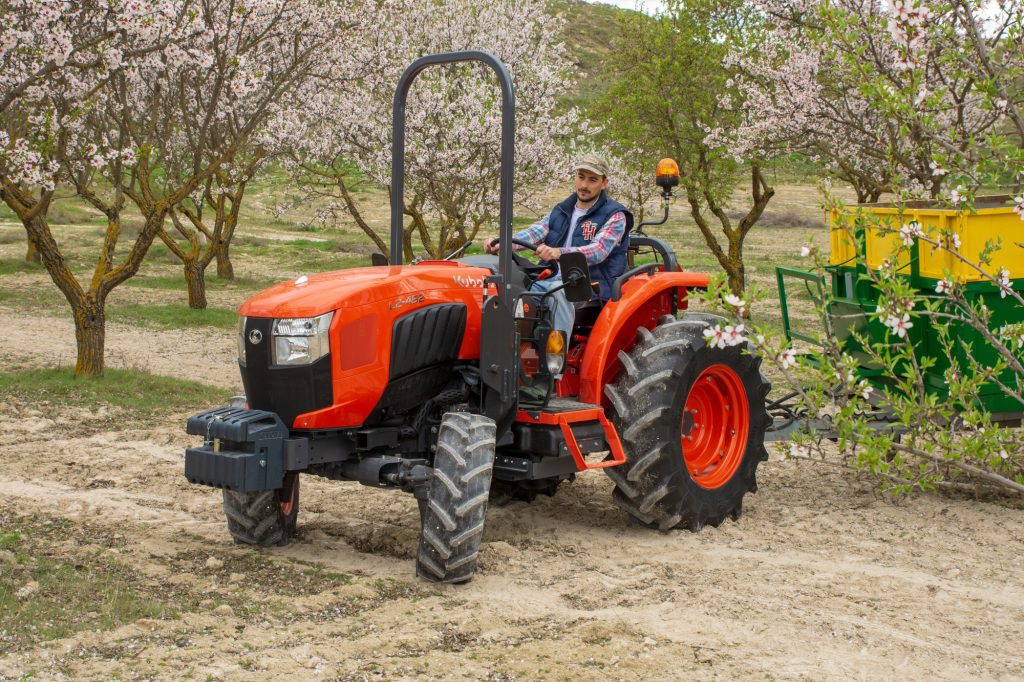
[[879, 224]]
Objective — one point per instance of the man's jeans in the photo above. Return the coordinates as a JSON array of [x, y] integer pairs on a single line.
[[565, 312]]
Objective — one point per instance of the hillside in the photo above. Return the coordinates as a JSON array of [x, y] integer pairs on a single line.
[[590, 32]]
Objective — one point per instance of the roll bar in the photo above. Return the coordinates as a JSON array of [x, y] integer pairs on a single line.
[[508, 115]]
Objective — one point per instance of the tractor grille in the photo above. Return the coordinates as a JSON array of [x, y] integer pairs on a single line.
[[287, 391]]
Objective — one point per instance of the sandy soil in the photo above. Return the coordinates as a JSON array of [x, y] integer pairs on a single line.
[[820, 579]]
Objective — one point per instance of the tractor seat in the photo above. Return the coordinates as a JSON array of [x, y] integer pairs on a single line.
[[586, 315]]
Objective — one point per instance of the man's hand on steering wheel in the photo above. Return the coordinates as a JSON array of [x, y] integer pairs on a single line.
[[548, 253]]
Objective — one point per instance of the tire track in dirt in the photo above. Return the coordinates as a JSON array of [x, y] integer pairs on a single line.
[[819, 579]]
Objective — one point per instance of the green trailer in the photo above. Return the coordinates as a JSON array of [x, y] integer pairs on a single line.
[[865, 236]]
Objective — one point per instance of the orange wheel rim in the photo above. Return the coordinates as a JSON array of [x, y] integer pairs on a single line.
[[715, 425]]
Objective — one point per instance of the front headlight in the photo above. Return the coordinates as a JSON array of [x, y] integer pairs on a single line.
[[241, 340], [301, 341], [555, 352]]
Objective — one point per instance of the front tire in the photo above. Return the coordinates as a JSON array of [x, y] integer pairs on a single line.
[[692, 419], [452, 517], [265, 517]]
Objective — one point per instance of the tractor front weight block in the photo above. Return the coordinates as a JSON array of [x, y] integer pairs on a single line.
[[242, 450]]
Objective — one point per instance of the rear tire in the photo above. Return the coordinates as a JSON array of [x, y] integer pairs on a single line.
[[452, 517], [264, 517], [692, 420]]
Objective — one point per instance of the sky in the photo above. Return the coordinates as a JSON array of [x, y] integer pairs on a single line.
[[648, 6]]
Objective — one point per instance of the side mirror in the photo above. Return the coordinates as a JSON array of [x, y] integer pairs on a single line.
[[576, 276], [378, 258]]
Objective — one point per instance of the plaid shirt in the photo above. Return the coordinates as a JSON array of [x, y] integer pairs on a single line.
[[596, 251]]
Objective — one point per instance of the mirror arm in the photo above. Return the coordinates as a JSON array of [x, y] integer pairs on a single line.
[[666, 195], [459, 250]]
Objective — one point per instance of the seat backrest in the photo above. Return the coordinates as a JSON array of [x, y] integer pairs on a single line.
[[668, 256]]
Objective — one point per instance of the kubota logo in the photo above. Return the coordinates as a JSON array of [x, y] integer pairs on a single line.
[[469, 282], [255, 336]]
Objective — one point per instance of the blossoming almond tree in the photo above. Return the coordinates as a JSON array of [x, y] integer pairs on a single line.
[[666, 77], [453, 120], [262, 56], [937, 437], [55, 49], [124, 132], [64, 58], [891, 95]]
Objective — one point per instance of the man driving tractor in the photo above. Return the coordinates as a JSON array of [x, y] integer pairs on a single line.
[[588, 222]]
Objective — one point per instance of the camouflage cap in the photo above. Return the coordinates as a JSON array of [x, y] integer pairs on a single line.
[[593, 163]]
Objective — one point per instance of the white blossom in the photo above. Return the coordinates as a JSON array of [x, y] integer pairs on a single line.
[[787, 358]]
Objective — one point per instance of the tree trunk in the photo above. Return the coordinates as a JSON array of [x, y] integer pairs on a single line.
[[195, 276], [32, 253], [90, 334], [407, 245], [737, 277], [225, 270]]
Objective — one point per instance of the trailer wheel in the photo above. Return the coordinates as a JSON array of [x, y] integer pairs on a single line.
[[692, 419], [452, 517], [264, 517]]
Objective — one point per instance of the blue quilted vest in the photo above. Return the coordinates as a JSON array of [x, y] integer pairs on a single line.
[[614, 265]]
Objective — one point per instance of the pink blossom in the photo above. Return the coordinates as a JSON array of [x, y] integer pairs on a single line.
[[909, 232], [899, 325], [1003, 280], [715, 336], [865, 389], [944, 286], [733, 336], [787, 358]]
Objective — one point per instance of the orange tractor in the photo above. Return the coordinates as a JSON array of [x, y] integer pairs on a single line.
[[437, 378]]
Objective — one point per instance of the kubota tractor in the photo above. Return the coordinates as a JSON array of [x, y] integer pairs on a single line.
[[436, 378]]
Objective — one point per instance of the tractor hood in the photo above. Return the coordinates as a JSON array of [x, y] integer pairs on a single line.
[[309, 296]]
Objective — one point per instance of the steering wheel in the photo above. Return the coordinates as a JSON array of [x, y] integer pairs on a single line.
[[519, 260]]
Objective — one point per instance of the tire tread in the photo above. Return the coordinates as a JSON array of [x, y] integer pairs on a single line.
[[452, 519]]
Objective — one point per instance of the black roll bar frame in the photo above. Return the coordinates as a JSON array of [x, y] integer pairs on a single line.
[[508, 131]]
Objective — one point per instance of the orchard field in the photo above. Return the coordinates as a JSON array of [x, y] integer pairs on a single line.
[[113, 567]]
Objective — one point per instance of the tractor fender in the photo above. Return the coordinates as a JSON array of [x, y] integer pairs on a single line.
[[645, 298]]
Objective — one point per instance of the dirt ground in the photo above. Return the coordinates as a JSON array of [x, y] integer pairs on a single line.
[[820, 579]]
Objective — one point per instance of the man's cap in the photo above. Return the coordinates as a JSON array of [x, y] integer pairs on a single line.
[[593, 163]]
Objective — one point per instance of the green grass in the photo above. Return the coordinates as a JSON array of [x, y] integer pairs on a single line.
[[88, 592], [132, 390], [172, 316], [308, 255], [12, 266], [177, 283]]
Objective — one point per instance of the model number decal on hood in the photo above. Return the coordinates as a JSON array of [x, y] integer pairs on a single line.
[[408, 300]]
